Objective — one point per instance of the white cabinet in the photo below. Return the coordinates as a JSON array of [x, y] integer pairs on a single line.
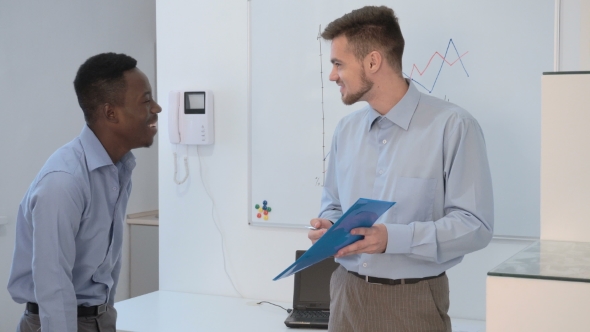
[[143, 253], [545, 287]]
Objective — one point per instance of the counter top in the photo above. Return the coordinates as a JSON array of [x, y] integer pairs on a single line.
[[551, 260], [148, 218]]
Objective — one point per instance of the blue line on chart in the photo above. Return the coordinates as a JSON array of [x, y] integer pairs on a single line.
[[444, 58]]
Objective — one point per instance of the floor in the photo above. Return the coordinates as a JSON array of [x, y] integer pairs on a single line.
[[459, 325]]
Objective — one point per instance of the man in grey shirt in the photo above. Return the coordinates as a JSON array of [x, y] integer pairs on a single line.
[[69, 231], [425, 154]]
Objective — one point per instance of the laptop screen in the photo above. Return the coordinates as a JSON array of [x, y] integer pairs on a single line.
[[312, 285]]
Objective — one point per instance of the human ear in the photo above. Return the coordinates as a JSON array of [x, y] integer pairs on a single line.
[[109, 113], [374, 61]]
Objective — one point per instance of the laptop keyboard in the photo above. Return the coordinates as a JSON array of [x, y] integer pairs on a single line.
[[310, 314]]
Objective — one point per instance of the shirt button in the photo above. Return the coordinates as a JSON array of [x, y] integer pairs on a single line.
[[364, 264], [115, 188], [380, 171], [384, 141]]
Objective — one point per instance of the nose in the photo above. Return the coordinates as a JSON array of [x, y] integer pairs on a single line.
[[333, 74], [157, 108]]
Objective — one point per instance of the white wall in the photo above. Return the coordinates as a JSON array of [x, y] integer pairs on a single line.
[[585, 35], [42, 43], [574, 35], [204, 44], [570, 19]]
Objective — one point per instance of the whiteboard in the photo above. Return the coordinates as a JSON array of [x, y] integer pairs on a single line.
[[485, 56]]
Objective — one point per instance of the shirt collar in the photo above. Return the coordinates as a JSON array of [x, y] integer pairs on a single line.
[[96, 155], [401, 114]]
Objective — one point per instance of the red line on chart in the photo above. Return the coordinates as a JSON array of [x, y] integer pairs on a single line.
[[429, 61], [441, 65]]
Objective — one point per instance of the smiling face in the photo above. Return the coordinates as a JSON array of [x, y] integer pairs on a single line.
[[138, 115], [348, 72]]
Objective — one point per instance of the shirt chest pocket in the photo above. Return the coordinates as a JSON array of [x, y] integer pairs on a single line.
[[414, 199]]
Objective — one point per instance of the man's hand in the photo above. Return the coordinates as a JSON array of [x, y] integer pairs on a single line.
[[375, 241], [321, 226]]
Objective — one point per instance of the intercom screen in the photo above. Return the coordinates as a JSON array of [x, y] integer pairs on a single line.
[[194, 103]]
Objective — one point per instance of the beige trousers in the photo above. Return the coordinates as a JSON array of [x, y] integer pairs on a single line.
[[359, 306]]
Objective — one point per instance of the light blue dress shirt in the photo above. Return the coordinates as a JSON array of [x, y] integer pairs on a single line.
[[69, 232], [429, 156]]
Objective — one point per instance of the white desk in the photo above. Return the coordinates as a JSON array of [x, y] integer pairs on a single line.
[[174, 311]]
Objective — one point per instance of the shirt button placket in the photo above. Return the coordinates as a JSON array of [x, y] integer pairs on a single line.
[[380, 171]]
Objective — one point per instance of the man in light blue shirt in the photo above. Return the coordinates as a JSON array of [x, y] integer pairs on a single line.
[[69, 232], [425, 154]]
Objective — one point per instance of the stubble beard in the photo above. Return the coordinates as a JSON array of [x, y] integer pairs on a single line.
[[366, 85]]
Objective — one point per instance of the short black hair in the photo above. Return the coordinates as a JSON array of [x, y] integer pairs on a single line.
[[100, 80], [370, 28]]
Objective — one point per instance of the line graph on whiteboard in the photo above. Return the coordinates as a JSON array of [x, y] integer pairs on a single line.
[[443, 60]]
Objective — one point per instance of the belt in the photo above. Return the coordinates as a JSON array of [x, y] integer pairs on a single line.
[[82, 311], [385, 281]]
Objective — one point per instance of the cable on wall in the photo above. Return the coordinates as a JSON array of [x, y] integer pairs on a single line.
[[217, 226], [185, 167]]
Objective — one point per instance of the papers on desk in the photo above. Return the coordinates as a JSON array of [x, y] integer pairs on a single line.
[[363, 213]]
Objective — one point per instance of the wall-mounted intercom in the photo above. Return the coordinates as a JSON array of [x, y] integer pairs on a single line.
[[190, 117], [190, 121]]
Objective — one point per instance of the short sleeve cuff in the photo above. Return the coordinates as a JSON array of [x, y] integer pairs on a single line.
[[399, 238]]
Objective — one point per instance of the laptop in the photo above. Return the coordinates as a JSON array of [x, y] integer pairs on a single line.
[[311, 294]]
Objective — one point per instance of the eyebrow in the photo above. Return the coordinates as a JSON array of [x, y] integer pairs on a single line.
[[335, 60]]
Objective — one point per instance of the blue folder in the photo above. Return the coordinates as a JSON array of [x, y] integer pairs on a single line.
[[363, 213]]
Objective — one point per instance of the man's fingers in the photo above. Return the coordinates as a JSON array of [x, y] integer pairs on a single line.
[[321, 226], [320, 223], [367, 249], [374, 241], [314, 235], [351, 249], [361, 231]]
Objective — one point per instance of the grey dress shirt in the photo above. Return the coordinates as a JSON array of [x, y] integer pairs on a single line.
[[429, 156], [69, 232]]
